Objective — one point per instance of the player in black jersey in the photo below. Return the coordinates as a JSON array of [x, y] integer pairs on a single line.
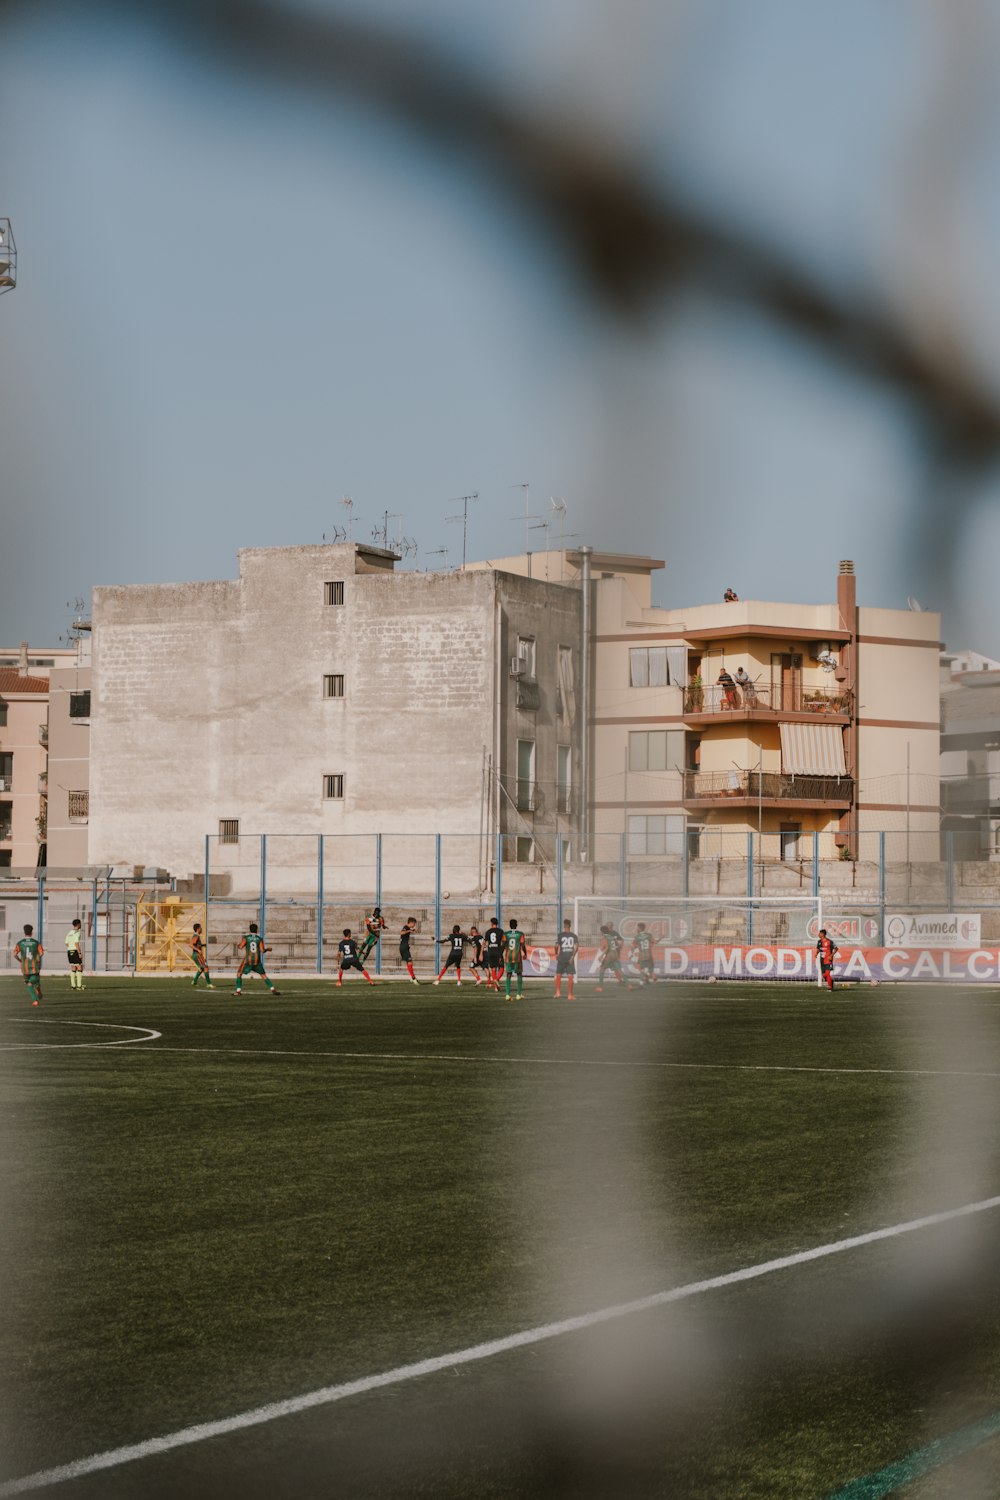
[[476, 963], [349, 957], [457, 941], [567, 947], [609, 957], [404, 947], [493, 945]]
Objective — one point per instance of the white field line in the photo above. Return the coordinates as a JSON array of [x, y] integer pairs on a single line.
[[329, 1394], [571, 1062], [129, 1041]]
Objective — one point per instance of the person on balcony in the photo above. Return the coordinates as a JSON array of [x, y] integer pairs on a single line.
[[746, 686], [730, 695]]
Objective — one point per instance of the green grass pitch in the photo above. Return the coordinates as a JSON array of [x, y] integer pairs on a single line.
[[280, 1194]]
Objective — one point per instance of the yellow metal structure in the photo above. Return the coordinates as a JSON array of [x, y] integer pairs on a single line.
[[164, 928]]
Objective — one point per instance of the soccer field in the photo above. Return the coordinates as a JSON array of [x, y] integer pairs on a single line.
[[389, 1242]]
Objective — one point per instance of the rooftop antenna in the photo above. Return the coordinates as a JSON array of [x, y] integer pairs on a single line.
[[407, 546], [8, 257], [348, 503], [463, 501], [338, 534], [914, 604], [381, 533], [440, 552], [526, 487]]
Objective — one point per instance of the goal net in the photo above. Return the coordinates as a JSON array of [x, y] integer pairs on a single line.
[[717, 937]]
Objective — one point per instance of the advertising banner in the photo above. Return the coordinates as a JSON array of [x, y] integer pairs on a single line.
[[863, 965], [932, 930]]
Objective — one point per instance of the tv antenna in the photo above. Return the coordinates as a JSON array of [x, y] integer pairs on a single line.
[[79, 624], [440, 552], [8, 257], [347, 502], [407, 546], [526, 487], [381, 533], [463, 501], [914, 604], [338, 534]]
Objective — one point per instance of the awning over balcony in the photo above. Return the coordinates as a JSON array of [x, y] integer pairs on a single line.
[[812, 750]]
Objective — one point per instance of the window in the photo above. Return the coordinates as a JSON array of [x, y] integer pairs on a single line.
[[526, 651], [333, 593], [79, 705], [657, 666], [564, 771], [525, 775], [229, 830], [525, 851], [565, 690], [6, 772], [5, 859], [79, 806], [6, 817], [655, 750], [656, 833], [333, 685], [333, 787], [3, 714]]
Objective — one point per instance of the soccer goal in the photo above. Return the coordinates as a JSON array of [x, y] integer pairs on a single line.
[[710, 937]]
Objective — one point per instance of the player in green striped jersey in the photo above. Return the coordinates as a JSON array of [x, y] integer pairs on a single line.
[[515, 951], [28, 951], [252, 961]]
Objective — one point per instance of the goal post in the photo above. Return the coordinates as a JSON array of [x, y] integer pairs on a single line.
[[710, 937]]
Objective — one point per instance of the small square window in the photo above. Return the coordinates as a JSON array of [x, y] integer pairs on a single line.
[[79, 705], [229, 830], [333, 787], [3, 715], [333, 593], [79, 806], [333, 685]]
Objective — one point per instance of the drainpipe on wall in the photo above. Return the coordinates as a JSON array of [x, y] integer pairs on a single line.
[[585, 670], [847, 607]]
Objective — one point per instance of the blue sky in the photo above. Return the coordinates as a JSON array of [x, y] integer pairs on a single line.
[[238, 302]]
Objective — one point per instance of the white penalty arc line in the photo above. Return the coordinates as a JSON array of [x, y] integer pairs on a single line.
[[148, 1035], [329, 1394], [573, 1062]]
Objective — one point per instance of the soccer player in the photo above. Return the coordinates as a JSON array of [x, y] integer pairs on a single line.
[[567, 947], [409, 928], [29, 952], [74, 953], [252, 961], [350, 958], [200, 958], [826, 948], [476, 944], [457, 940], [641, 954], [493, 948], [515, 951], [374, 926], [609, 958]]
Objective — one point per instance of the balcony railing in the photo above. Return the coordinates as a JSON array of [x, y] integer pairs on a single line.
[[43, 734], [6, 832], [713, 699], [43, 783], [6, 782], [767, 786]]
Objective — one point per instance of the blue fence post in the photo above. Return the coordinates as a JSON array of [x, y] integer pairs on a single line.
[[319, 906], [622, 867], [881, 889], [437, 896], [208, 926], [559, 883], [93, 926], [40, 922], [263, 888], [949, 851], [378, 897], [750, 887], [500, 917], [686, 863], [815, 861]]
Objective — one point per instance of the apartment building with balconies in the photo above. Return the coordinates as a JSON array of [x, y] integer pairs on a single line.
[[23, 765]]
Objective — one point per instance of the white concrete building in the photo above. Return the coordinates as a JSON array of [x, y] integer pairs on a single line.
[[322, 692]]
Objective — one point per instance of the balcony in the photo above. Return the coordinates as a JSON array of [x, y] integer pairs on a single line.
[[738, 788], [43, 734], [765, 701], [970, 794], [43, 784], [6, 833], [6, 782]]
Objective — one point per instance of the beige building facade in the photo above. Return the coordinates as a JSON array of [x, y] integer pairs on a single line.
[[23, 766]]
